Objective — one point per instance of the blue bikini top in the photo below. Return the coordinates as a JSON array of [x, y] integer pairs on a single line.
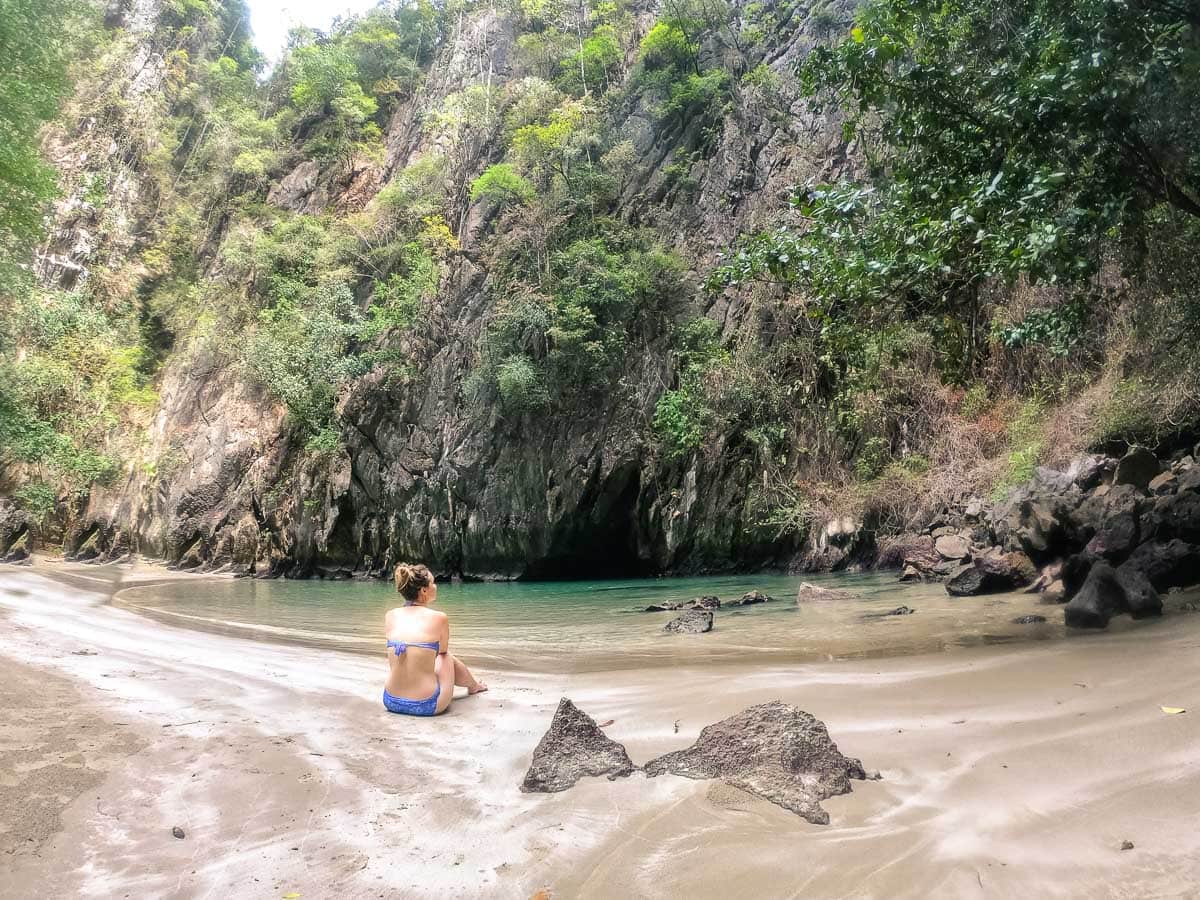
[[402, 646]]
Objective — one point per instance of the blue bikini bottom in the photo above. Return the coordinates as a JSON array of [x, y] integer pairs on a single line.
[[406, 707]]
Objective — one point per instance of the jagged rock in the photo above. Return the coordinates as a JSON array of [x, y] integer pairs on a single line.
[[692, 621], [940, 532], [1116, 538], [1175, 563], [809, 591], [1075, 571], [665, 606], [911, 573], [1052, 479], [1173, 516], [574, 747], [1088, 471], [1030, 525], [952, 546], [1163, 483], [14, 526], [898, 611], [1137, 467], [1141, 599], [1028, 620], [991, 574], [707, 602], [774, 751], [1100, 598], [752, 597], [1189, 480], [974, 509], [1091, 516]]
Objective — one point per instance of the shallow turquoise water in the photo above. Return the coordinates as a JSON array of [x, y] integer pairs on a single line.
[[593, 625]]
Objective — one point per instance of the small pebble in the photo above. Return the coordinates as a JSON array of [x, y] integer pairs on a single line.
[[178, 832], [1126, 845]]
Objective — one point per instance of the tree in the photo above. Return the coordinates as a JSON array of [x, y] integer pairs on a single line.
[[35, 40], [1001, 140]]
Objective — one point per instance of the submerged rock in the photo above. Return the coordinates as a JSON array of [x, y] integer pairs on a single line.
[[775, 751], [708, 602], [752, 597], [692, 621], [898, 611], [809, 591], [1029, 620], [573, 748]]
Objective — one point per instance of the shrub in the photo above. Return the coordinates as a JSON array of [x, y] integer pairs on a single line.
[[501, 184]]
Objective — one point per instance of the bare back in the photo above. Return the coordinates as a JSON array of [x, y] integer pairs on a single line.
[[411, 674]]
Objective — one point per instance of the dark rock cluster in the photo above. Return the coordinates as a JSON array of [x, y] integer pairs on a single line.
[[1105, 535]]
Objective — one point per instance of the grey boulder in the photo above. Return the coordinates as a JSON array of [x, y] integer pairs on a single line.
[[692, 621], [775, 751], [573, 748]]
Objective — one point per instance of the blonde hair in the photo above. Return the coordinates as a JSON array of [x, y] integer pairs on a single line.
[[411, 579]]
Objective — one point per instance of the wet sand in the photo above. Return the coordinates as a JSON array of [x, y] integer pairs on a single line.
[[1007, 770]]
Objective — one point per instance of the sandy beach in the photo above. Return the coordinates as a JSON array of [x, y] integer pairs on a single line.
[[1007, 770]]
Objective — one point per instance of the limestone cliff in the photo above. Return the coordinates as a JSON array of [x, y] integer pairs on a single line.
[[422, 474]]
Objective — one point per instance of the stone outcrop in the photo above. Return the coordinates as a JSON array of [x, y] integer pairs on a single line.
[[692, 621], [1099, 599], [574, 747], [774, 751], [992, 574], [706, 602], [809, 592], [751, 597]]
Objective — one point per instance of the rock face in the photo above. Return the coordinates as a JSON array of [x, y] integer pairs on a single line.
[[573, 748], [809, 592], [692, 621], [774, 751]]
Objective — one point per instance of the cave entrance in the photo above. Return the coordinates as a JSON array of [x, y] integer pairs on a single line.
[[603, 542]]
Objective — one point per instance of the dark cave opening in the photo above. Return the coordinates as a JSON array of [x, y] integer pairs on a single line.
[[604, 543]]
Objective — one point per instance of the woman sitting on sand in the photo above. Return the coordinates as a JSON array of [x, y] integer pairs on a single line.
[[418, 644]]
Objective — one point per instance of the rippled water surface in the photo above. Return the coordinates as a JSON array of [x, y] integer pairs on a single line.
[[590, 625]]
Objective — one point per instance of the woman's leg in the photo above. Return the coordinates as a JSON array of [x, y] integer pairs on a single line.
[[444, 668], [464, 678]]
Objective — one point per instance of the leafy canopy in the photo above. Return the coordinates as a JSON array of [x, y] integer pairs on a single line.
[[1002, 140]]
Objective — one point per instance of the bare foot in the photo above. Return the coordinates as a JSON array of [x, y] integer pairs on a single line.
[[479, 688]]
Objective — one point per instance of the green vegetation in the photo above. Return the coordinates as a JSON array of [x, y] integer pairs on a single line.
[[37, 38]]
